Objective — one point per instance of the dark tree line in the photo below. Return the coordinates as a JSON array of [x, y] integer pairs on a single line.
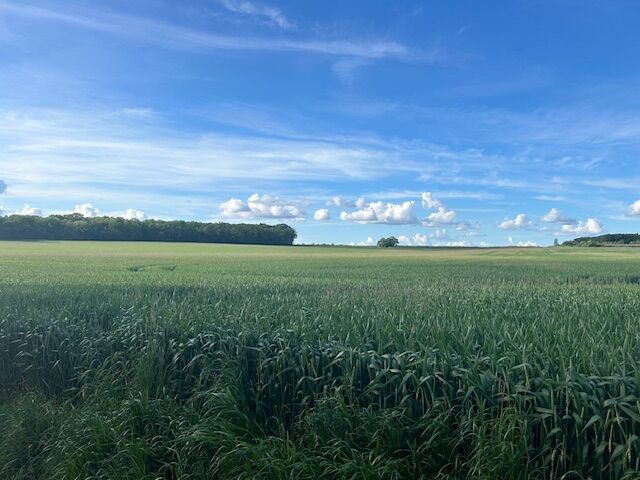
[[77, 227], [607, 239]]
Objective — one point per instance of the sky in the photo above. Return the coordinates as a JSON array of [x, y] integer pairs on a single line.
[[441, 123]]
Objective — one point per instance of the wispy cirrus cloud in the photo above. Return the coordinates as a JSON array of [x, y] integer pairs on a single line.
[[171, 35], [267, 13], [44, 148]]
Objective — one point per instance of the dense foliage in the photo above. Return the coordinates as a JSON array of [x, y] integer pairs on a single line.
[[129, 361], [78, 227], [386, 242], [605, 240]]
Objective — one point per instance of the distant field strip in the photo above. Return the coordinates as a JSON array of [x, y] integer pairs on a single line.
[[189, 361]]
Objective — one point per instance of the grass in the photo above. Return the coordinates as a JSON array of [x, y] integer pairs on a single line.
[[131, 360]]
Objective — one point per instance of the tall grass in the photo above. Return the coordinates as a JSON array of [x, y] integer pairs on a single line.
[[154, 361]]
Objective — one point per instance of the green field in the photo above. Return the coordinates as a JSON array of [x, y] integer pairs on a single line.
[[147, 361]]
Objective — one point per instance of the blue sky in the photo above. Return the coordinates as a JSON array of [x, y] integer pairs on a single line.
[[458, 122]]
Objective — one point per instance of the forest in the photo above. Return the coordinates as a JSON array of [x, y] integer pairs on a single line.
[[609, 239], [78, 227]]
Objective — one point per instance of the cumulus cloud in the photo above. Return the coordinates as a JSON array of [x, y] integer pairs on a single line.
[[428, 201], [591, 226], [321, 215], [527, 243], [133, 214], [555, 216], [29, 210], [634, 209], [453, 243], [3, 186], [368, 243], [417, 240], [379, 212], [520, 221], [442, 215], [234, 207], [260, 206], [86, 210], [336, 202]]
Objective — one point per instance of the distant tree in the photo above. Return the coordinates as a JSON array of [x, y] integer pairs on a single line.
[[556, 243], [77, 227], [606, 239], [386, 242]]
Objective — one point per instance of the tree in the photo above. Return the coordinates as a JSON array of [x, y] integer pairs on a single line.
[[77, 227], [388, 242], [556, 243]]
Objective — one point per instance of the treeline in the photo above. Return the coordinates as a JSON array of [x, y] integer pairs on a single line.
[[78, 227], [604, 240]]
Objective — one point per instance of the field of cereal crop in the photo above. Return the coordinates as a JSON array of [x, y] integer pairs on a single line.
[[188, 361]]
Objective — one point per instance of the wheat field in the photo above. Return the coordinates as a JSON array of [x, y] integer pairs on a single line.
[[184, 361]]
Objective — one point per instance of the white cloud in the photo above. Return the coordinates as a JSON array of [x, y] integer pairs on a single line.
[[527, 243], [346, 68], [3, 186], [429, 202], [368, 243], [379, 212], [441, 234], [555, 216], [591, 226], [133, 214], [416, 240], [335, 202], [551, 198], [346, 203], [139, 112], [442, 215], [453, 243], [258, 206], [29, 210], [270, 14], [86, 210], [520, 221], [235, 207], [634, 209], [172, 35], [466, 225], [322, 215]]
